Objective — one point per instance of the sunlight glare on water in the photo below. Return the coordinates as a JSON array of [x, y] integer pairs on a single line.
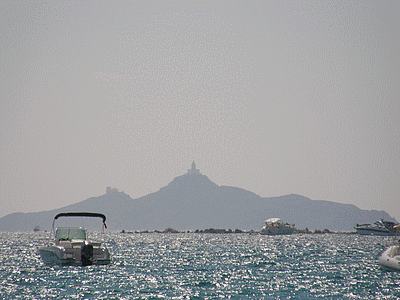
[[205, 266]]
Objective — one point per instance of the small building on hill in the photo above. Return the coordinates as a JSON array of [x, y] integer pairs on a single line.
[[193, 170]]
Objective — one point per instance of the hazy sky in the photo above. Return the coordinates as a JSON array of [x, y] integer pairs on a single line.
[[275, 97]]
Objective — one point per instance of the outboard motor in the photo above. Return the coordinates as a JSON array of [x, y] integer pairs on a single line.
[[87, 254]]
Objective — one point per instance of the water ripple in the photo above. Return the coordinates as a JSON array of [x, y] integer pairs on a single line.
[[205, 266]]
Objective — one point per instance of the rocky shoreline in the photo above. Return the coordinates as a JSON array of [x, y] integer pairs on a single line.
[[236, 231]]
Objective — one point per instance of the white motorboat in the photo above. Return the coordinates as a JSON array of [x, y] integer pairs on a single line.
[[390, 258], [71, 245], [381, 227], [275, 226]]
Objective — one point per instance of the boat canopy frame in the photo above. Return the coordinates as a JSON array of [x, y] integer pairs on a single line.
[[82, 214], [78, 214]]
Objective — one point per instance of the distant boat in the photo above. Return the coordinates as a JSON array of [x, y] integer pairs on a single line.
[[71, 246], [36, 229], [390, 258], [276, 226], [381, 227]]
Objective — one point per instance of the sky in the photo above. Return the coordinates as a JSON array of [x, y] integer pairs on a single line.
[[275, 97]]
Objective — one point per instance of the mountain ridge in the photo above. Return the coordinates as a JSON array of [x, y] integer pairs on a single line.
[[192, 201]]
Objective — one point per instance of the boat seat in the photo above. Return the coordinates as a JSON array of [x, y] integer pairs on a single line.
[[65, 244]]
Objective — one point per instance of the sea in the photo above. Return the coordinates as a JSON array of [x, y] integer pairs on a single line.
[[204, 266]]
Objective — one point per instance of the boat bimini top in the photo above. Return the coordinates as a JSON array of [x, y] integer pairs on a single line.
[[82, 214], [74, 233]]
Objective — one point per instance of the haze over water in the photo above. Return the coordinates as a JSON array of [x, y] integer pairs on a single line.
[[275, 97]]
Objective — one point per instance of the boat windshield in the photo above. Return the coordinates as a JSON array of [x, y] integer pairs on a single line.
[[70, 234]]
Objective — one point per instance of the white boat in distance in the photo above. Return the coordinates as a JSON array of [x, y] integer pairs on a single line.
[[275, 226], [381, 227], [71, 246], [390, 258]]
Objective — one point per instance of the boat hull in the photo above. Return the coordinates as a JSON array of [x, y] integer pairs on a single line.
[[55, 255], [374, 231], [277, 231], [390, 258]]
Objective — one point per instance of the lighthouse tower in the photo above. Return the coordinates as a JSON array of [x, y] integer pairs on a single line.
[[193, 170]]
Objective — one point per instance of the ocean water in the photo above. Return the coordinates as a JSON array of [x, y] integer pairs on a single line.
[[204, 266]]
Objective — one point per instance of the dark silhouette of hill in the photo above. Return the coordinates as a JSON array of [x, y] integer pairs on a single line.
[[192, 201]]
